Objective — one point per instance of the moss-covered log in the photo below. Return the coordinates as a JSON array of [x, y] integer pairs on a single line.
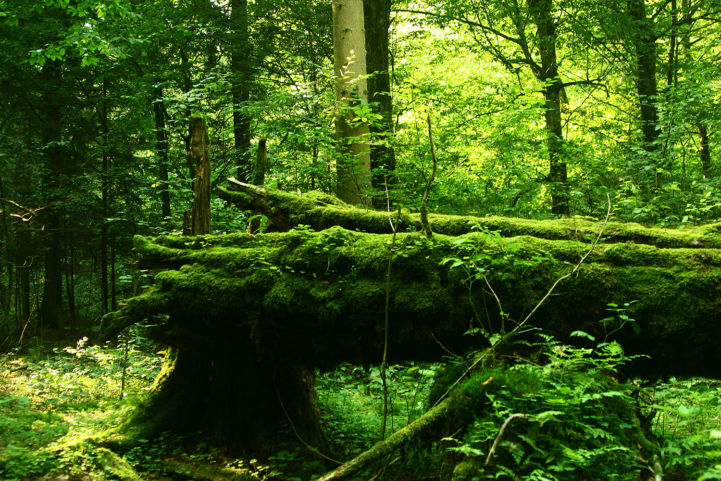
[[251, 309], [317, 297], [321, 211], [254, 314]]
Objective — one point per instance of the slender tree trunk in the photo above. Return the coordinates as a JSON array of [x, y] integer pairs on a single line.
[[70, 277], [672, 67], [113, 277], [51, 310], [644, 40], [377, 16], [105, 201], [200, 223], [240, 86], [705, 151], [187, 87], [542, 13], [5, 258], [161, 149], [354, 172]]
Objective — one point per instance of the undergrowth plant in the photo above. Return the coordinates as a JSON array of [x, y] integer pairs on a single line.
[[556, 419]]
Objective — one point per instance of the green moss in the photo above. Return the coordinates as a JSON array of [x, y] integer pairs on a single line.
[[333, 283], [321, 211], [114, 465]]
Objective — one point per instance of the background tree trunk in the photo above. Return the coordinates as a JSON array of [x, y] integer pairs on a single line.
[[51, 309], [541, 11], [644, 41], [240, 79], [161, 149], [200, 216], [377, 19], [351, 90]]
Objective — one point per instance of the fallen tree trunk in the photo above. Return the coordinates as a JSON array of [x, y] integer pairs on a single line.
[[262, 311], [255, 307], [321, 211], [319, 295]]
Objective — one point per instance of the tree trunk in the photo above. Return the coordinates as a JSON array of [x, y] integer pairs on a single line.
[[70, 277], [261, 165], [320, 211], [51, 309], [644, 41], [351, 90], [161, 149], [105, 201], [542, 13], [705, 151], [200, 216], [240, 86], [377, 16]]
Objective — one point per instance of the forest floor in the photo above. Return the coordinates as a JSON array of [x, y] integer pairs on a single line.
[[53, 398]]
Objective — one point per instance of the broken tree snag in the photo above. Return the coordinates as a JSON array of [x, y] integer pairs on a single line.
[[200, 216], [258, 178], [321, 211]]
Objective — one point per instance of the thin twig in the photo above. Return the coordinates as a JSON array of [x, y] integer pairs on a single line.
[[384, 361], [497, 441], [295, 431]]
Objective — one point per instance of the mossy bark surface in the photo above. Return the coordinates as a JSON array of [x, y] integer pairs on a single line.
[[321, 211]]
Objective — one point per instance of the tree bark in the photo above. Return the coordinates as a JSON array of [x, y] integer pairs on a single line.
[[240, 86], [542, 13], [351, 90], [51, 309], [161, 150], [377, 19], [200, 216], [644, 41]]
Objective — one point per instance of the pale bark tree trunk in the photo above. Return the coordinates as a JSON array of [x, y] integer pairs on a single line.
[[354, 173], [200, 223]]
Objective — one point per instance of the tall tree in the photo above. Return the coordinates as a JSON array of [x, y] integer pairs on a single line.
[[240, 54], [522, 35], [377, 19], [351, 91], [200, 223], [55, 157], [644, 40]]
